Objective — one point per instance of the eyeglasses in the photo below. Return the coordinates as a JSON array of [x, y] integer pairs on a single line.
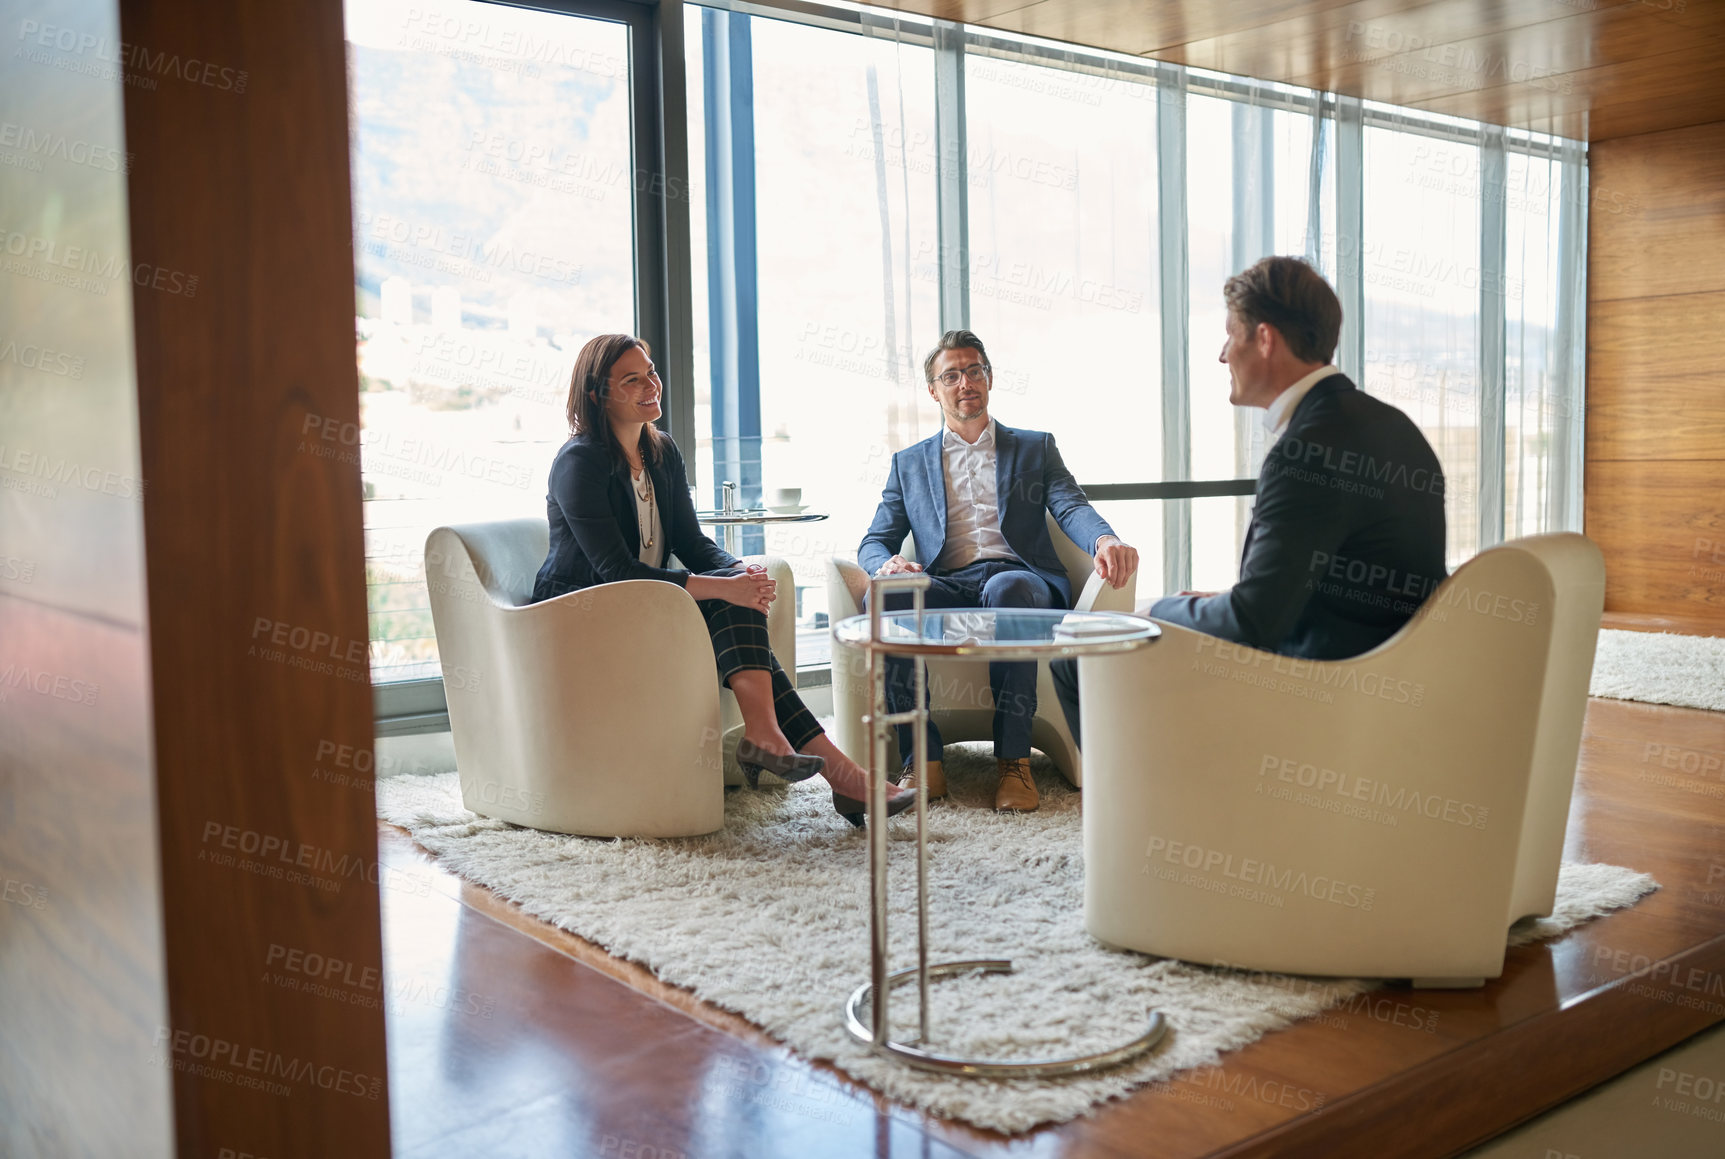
[[975, 372]]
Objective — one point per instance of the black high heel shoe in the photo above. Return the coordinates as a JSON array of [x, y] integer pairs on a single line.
[[856, 812], [796, 767]]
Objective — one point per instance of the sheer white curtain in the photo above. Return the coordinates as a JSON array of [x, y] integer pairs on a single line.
[[1102, 203], [1249, 194], [1062, 184], [1457, 249], [847, 263], [1545, 200], [1419, 261]]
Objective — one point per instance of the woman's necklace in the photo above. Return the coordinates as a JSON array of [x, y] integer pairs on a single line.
[[644, 492]]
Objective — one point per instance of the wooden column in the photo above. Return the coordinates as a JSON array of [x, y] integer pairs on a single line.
[[236, 113]]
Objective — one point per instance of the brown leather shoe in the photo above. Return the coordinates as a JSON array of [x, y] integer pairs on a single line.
[[936, 780], [1017, 791]]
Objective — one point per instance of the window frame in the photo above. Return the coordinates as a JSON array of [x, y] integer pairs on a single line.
[[659, 176], [664, 302], [1347, 117]]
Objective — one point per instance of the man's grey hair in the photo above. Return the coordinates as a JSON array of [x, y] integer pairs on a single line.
[[952, 340]]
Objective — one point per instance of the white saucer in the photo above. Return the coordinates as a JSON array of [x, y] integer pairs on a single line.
[[798, 509]]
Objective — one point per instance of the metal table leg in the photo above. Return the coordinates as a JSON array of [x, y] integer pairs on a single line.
[[877, 991], [728, 506], [923, 1059]]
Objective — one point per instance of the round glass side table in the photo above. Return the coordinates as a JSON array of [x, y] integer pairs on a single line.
[[985, 634], [730, 522]]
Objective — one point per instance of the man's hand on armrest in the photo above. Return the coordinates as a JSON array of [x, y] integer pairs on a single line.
[[1115, 561], [897, 564]]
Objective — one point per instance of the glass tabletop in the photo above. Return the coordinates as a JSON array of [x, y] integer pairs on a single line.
[[757, 515], [1001, 633]]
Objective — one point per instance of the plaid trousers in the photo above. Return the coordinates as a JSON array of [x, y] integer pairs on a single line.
[[740, 644]]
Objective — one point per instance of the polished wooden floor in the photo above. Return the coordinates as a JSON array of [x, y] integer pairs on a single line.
[[510, 1038]]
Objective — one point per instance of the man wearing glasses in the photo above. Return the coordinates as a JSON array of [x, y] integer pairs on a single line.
[[973, 497]]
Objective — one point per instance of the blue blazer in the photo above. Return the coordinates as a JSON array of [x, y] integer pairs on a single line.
[[595, 531], [1029, 478], [1346, 539]]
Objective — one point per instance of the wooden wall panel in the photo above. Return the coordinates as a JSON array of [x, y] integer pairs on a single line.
[[1306, 41], [258, 638], [1655, 384], [1649, 112], [1566, 104], [1585, 69], [1674, 242], [1662, 529], [1653, 389], [1571, 56]]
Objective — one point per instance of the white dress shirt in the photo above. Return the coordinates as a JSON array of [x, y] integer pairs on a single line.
[[1281, 409], [972, 501]]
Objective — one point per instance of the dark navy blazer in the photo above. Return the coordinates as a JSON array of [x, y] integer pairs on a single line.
[[1346, 539], [1029, 478], [595, 531]]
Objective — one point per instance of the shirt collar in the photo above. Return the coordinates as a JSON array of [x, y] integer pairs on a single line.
[[1281, 409], [950, 439]]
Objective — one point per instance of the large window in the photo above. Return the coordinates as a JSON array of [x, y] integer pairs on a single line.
[[1089, 207], [1543, 195], [1421, 275], [860, 180], [493, 235], [1061, 175], [811, 275], [1248, 195]]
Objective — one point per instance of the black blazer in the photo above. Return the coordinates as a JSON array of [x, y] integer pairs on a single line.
[[595, 534], [1346, 539]]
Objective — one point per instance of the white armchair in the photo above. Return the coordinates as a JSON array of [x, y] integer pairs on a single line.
[[598, 712], [1385, 816], [959, 696]]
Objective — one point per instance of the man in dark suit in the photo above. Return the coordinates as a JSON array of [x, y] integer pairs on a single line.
[[973, 496], [1347, 534]]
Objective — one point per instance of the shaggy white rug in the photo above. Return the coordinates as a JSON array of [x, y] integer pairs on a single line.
[[769, 918], [1660, 668]]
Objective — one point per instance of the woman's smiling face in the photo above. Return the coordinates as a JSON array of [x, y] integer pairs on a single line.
[[634, 391]]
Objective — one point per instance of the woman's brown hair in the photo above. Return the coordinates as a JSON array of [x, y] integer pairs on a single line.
[[590, 385]]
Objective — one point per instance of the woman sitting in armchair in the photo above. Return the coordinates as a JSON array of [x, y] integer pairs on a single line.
[[619, 507]]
